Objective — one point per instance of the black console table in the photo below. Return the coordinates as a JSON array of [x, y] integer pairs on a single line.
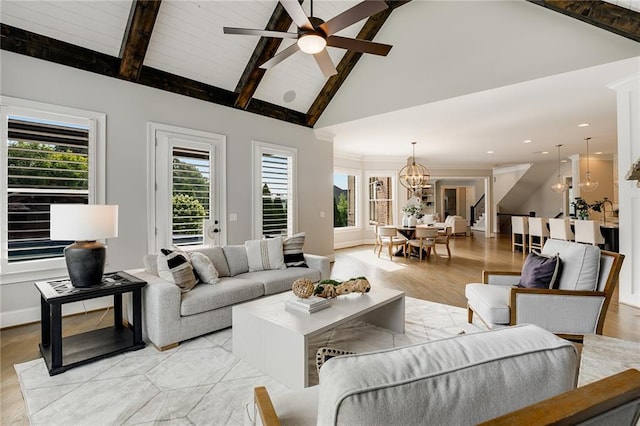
[[59, 353]]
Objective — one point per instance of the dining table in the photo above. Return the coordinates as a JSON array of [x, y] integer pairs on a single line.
[[409, 232]]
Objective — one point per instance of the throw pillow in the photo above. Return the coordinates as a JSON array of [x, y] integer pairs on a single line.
[[175, 268], [325, 354], [540, 271], [292, 251], [204, 268], [265, 254]]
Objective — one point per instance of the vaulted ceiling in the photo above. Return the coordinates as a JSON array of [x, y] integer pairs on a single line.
[[179, 46]]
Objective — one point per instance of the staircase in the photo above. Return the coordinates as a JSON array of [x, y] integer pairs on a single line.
[[479, 224], [478, 220]]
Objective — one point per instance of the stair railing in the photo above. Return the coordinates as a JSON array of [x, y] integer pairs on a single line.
[[477, 210]]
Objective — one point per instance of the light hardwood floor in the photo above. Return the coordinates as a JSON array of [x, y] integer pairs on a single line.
[[441, 280]]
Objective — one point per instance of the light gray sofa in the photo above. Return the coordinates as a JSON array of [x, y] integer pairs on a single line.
[[462, 380], [170, 317]]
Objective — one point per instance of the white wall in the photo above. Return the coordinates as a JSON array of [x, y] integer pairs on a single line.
[[628, 95], [128, 108]]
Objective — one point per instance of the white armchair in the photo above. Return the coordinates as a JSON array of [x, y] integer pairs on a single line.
[[458, 225], [577, 307]]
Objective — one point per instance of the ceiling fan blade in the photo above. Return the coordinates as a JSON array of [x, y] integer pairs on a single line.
[[325, 63], [262, 33], [280, 56], [364, 46], [297, 13], [353, 15]]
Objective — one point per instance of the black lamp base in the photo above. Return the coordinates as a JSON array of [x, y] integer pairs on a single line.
[[85, 262]]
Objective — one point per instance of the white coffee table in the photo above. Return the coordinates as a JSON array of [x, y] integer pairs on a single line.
[[276, 341]]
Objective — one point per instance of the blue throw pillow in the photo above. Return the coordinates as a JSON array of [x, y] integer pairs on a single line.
[[540, 271]]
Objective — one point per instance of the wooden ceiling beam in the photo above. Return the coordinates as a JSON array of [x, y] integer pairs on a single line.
[[265, 49], [37, 46], [137, 35], [618, 20], [348, 62]]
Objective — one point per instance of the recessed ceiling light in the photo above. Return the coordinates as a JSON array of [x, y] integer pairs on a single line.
[[527, 141], [584, 124], [489, 152], [564, 161], [598, 153], [544, 152]]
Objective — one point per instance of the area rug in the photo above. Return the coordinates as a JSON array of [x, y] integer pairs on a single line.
[[200, 382]]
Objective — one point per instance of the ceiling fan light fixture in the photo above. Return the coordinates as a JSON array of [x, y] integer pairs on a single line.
[[311, 43]]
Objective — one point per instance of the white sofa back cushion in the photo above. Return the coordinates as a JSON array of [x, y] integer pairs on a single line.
[[580, 264], [465, 379]]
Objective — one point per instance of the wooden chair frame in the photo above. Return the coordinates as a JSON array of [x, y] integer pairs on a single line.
[[607, 293]]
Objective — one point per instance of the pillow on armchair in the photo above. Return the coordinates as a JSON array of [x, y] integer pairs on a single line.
[[540, 271]]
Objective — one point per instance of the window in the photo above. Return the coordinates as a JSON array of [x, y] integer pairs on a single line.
[[345, 198], [274, 168], [48, 158], [381, 199], [187, 207]]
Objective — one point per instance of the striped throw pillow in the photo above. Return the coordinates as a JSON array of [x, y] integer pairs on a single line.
[[175, 268], [292, 251], [265, 254]]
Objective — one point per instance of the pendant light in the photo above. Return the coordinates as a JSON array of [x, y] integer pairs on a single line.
[[588, 185], [560, 186], [414, 176]]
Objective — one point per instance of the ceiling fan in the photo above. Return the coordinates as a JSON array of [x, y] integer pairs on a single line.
[[314, 34]]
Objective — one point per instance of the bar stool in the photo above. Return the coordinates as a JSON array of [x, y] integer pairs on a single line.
[[538, 228], [560, 229], [588, 231], [519, 226]]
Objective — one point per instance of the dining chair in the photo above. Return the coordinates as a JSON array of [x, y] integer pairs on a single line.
[[519, 226], [424, 239], [538, 228], [376, 242], [588, 231], [388, 236], [560, 229], [444, 239]]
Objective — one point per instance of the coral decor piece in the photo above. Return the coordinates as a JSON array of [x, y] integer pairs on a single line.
[[302, 287], [333, 288]]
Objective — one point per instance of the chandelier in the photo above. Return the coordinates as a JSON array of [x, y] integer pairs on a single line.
[[588, 185], [414, 176], [560, 185]]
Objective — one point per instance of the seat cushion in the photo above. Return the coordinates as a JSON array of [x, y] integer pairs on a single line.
[[297, 408], [580, 264], [229, 291], [490, 302], [280, 280]]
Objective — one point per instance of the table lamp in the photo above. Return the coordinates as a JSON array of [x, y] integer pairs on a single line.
[[84, 223]]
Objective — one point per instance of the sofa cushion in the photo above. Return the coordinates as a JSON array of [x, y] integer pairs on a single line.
[[292, 250], [490, 302], [282, 279], [176, 268], [265, 254], [297, 408], [580, 264], [236, 256], [150, 262], [466, 379], [203, 267], [229, 291], [539, 271], [218, 259]]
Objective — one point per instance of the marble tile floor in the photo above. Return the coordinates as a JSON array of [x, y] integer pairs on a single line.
[[201, 381]]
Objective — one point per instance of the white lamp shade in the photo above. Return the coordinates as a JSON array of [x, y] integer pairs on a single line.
[[83, 222]]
